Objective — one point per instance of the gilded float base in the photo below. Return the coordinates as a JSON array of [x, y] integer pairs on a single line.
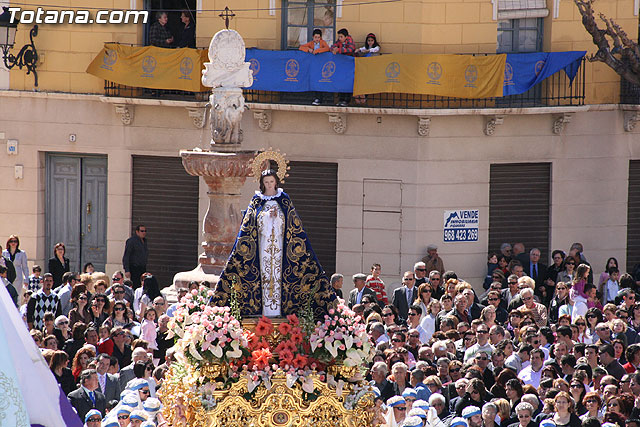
[[280, 406]]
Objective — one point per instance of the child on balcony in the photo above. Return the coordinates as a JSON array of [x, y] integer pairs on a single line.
[[370, 48], [316, 46], [344, 46]]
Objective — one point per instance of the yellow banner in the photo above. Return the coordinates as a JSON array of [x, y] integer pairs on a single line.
[[460, 76], [150, 67]]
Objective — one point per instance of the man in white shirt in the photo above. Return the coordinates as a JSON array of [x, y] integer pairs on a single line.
[[532, 373], [355, 296], [482, 344]]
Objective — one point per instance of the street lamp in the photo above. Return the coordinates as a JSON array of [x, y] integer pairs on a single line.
[[28, 56]]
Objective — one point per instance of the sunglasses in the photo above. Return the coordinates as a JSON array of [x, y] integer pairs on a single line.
[[396, 340], [387, 315], [123, 417], [581, 324], [494, 299], [561, 288], [145, 391], [454, 370], [118, 309], [400, 408], [96, 420], [119, 292]]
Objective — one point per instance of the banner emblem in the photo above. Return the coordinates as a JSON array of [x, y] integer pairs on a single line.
[[254, 66], [508, 75], [434, 71], [539, 66], [186, 67], [392, 72], [291, 69], [471, 75], [110, 57], [328, 70], [149, 64]]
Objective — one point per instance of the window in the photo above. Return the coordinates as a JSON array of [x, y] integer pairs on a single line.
[[173, 9], [520, 35], [300, 18]]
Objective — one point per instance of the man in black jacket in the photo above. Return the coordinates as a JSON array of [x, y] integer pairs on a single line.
[[87, 396], [135, 255]]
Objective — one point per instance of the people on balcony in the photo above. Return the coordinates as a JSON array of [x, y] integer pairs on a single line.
[[316, 46], [159, 34], [188, 36], [344, 46], [371, 46]]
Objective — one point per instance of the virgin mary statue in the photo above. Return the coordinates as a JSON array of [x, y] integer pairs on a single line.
[[272, 267]]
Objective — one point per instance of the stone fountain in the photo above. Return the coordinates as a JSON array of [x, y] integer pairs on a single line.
[[224, 167]]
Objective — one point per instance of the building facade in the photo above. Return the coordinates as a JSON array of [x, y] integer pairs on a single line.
[[374, 182]]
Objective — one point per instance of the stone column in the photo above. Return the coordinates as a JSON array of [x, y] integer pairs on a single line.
[[225, 174]]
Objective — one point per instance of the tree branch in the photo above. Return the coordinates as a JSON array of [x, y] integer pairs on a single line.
[[624, 59]]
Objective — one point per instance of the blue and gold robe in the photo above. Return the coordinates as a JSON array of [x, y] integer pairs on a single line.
[[301, 270]]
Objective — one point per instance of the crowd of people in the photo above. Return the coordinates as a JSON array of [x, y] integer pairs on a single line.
[[542, 345]]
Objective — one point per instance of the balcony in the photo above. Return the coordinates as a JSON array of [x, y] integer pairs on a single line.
[[554, 91], [629, 93]]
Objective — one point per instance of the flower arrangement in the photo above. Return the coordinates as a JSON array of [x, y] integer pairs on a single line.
[[279, 348], [341, 338], [207, 333]]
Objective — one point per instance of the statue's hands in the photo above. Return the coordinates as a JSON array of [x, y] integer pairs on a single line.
[[274, 212]]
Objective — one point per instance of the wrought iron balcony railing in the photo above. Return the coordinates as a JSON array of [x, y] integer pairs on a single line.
[[553, 91]]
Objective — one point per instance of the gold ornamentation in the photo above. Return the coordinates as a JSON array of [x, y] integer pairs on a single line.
[[279, 406], [345, 372], [258, 164]]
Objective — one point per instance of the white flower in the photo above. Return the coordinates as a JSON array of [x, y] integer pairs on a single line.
[[216, 351], [332, 348], [236, 353], [307, 385], [194, 351]]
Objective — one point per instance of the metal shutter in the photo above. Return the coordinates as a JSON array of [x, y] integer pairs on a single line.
[[519, 206], [165, 200], [313, 188], [633, 216]]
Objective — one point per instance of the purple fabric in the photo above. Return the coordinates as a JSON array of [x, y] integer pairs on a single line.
[[69, 414]]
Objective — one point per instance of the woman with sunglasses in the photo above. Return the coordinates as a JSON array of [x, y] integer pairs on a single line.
[[593, 317], [144, 370], [568, 272], [62, 330], [428, 323], [100, 308], [119, 317], [80, 311], [19, 259], [424, 299], [475, 395], [583, 336], [593, 404], [578, 390]]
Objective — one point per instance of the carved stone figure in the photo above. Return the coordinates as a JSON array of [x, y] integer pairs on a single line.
[[227, 73]]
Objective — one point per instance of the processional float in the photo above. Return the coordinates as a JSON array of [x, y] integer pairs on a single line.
[[236, 367]]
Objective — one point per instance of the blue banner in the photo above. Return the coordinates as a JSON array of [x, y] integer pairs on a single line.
[[280, 70], [296, 71], [525, 70], [331, 73]]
